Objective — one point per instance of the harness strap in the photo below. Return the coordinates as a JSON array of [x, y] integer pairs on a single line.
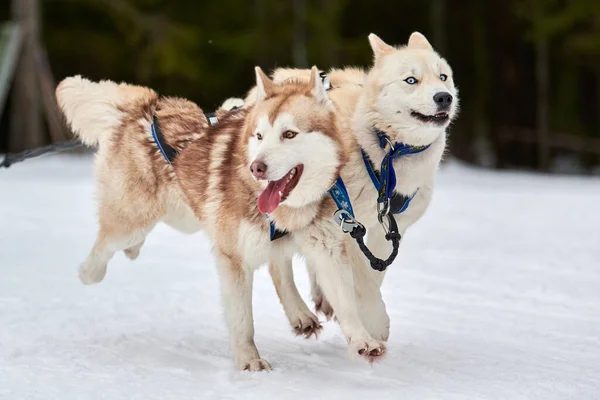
[[275, 233], [168, 152], [344, 217], [387, 181], [398, 202]]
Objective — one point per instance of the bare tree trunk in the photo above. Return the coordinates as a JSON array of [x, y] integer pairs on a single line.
[[437, 14], [299, 45], [57, 128], [26, 129], [542, 82]]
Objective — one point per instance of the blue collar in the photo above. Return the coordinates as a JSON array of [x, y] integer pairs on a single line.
[[385, 182]]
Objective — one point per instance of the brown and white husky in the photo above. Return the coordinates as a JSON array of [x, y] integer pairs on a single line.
[[159, 159]]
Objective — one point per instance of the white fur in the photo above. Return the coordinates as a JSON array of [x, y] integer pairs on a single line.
[[232, 103], [316, 151], [90, 107], [253, 243]]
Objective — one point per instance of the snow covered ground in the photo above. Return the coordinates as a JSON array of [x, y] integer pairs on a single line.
[[495, 295]]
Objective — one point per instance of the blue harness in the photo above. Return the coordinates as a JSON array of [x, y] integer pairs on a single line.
[[385, 182]]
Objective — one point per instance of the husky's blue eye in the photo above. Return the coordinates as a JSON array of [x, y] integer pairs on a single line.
[[443, 77], [411, 80]]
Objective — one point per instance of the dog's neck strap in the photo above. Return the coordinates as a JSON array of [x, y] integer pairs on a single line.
[[398, 202], [385, 181]]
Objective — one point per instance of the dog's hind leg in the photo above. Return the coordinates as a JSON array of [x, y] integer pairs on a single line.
[[93, 269], [303, 321], [121, 229]]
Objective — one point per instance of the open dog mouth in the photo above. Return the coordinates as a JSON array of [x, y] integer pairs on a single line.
[[278, 191], [439, 118]]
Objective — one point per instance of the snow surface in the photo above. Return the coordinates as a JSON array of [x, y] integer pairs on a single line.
[[496, 295]]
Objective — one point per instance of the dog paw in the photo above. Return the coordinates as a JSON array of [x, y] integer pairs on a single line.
[[307, 325], [322, 306], [90, 273], [370, 350], [132, 253], [257, 365]]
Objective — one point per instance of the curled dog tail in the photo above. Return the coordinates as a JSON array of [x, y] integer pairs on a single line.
[[95, 109]]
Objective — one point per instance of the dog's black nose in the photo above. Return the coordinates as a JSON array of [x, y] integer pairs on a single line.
[[443, 100]]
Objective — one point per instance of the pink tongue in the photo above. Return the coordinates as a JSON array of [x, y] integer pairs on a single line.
[[269, 199]]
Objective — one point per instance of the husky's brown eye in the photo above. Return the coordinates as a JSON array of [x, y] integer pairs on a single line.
[[258, 136], [289, 134]]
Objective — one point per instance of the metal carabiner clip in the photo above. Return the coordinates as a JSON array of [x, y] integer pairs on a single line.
[[346, 222], [383, 212], [389, 225]]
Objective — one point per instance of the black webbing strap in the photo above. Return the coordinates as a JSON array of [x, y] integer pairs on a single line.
[[13, 158]]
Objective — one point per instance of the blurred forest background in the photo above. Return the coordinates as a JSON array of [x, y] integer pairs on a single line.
[[528, 70]]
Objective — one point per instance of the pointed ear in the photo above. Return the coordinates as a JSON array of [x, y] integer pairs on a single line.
[[264, 86], [380, 48], [318, 90], [418, 41]]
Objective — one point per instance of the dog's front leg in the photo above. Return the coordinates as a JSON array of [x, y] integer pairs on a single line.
[[367, 284], [321, 303], [236, 291], [328, 251]]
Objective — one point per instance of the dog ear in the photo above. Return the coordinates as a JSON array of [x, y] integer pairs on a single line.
[[380, 48], [418, 41], [317, 88], [264, 86]]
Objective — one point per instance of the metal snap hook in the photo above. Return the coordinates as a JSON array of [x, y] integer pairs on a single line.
[[383, 212], [346, 222]]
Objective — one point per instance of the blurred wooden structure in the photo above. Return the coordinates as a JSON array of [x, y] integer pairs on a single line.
[[553, 140], [25, 69]]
